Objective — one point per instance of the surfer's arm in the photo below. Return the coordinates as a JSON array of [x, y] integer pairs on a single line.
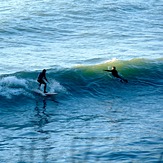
[[108, 70], [45, 78]]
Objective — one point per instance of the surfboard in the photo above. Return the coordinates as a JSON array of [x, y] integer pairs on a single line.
[[44, 94], [50, 93]]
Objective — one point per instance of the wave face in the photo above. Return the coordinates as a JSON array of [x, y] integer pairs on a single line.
[[88, 81]]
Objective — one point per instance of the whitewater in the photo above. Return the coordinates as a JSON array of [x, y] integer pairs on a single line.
[[94, 117]]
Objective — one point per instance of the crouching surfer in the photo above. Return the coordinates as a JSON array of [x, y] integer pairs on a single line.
[[115, 74], [42, 79]]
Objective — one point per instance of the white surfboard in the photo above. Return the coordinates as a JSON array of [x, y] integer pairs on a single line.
[[50, 93], [44, 94]]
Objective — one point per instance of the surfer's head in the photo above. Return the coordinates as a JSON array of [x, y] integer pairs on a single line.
[[44, 70], [113, 68]]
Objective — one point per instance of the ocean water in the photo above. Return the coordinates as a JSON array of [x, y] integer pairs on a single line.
[[94, 117]]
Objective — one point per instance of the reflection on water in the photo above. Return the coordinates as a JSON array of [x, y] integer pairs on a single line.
[[34, 142], [41, 116], [67, 135]]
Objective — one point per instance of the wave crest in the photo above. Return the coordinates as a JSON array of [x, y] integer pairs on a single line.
[[85, 80]]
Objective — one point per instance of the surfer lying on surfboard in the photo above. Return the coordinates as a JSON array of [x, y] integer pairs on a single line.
[[41, 79], [115, 74]]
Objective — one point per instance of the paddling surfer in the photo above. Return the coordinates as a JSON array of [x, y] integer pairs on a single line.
[[115, 74], [42, 79]]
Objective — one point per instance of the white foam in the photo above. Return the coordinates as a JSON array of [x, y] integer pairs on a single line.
[[12, 81], [55, 86], [12, 86], [111, 60]]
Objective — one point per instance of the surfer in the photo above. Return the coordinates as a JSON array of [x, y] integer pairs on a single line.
[[41, 79], [115, 74]]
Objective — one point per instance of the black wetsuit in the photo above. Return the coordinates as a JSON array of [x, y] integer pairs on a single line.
[[41, 78], [115, 74]]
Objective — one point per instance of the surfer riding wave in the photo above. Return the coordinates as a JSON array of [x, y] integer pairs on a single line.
[[41, 79]]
